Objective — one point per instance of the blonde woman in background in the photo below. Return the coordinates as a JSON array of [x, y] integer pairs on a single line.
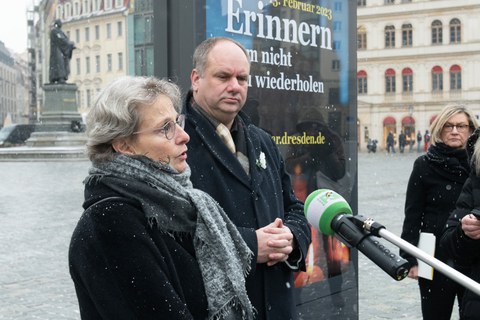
[[433, 188]]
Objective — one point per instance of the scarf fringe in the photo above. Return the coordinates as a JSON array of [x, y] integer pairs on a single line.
[[231, 305]]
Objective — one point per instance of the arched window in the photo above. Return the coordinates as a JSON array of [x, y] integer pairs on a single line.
[[407, 81], [455, 77], [86, 6], [390, 36], [76, 9], [437, 79], [361, 38], [362, 85], [437, 35], [67, 10], [390, 81], [407, 35], [59, 13], [455, 31]]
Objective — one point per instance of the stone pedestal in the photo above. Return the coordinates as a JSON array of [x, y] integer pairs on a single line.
[[59, 120]]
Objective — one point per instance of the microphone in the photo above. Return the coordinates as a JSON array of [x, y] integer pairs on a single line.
[[331, 214]]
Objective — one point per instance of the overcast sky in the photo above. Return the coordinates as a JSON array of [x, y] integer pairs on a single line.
[[13, 24]]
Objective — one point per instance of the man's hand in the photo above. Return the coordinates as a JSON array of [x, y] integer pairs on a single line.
[[275, 243], [471, 226]]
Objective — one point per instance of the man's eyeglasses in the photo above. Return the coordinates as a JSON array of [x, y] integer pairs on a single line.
[[168, 129], [460, 127]]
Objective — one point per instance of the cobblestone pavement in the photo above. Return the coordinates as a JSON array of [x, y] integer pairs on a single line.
[[40, 203], [382, 182]]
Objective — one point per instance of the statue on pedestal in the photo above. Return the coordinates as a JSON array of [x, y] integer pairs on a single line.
[[60, 54]]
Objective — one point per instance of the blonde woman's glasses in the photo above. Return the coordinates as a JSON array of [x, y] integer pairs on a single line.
[[460, 127]]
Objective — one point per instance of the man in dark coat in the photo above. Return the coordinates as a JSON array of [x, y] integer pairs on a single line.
[[245, 173], [60, 54]]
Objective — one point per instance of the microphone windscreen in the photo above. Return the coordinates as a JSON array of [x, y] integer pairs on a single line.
[[322, 206]]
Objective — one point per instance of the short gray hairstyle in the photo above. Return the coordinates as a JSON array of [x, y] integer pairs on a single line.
[[115, 112], [437, 125], [200, 56]]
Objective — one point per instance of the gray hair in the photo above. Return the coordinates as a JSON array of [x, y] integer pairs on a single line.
[[200, 56], [437, 125], [115, 114]]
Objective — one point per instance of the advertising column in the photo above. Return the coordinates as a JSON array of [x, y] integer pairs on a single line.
[[302, 90]]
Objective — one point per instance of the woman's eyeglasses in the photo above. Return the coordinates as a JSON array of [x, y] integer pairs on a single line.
[[168, 129], [460, 127]]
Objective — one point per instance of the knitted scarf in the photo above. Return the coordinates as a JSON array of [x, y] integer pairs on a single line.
[[170, 203], [449, 162]]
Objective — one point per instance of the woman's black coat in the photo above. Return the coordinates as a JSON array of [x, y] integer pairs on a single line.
[[124, 269], [433, 189]]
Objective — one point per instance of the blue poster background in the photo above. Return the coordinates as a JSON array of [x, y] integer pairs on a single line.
[[302, 88]]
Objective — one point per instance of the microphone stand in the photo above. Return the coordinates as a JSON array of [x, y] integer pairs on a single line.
[[379, 230]]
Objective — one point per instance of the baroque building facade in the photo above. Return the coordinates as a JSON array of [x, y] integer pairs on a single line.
[[414, 57]]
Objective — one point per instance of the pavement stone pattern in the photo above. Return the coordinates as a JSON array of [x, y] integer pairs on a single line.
[[40, 203], [382, 184]]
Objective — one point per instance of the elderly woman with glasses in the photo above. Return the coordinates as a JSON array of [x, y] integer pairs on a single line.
[[433, 189], [149, 245]]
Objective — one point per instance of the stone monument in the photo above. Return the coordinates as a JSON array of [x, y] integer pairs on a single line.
[[60, 122]]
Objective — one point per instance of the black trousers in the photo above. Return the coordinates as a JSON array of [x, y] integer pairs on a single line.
[[438, 296]]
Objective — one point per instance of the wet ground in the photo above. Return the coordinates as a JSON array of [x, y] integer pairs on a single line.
[[40, 203]]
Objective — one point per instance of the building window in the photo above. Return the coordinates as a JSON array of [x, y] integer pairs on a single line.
[[335, 65], [96, 5], [361, 3], [109, 31], [109, 62], [362, 85], [86, 7], [87, 64], [143, 26], [390, 81], [108, 4], [67, 10], [437, 79], [361, 38], [87, 34], [144, 61], [77, 35], [406, 1], [88, 95], [455, 77], [97, 64], [337, 25], [97, 32], [76, 8], [389, 37], [78, 65], [59, 13], [120, 61], [437, 34], [337, 45], [389, 1], [455, 31], [119, 28], [118, 3], [407, 35], [407, 81]]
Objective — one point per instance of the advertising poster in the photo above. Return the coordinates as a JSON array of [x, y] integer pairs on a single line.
[[302, 90]]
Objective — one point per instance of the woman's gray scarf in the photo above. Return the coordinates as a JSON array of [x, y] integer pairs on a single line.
[[170, 202]]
